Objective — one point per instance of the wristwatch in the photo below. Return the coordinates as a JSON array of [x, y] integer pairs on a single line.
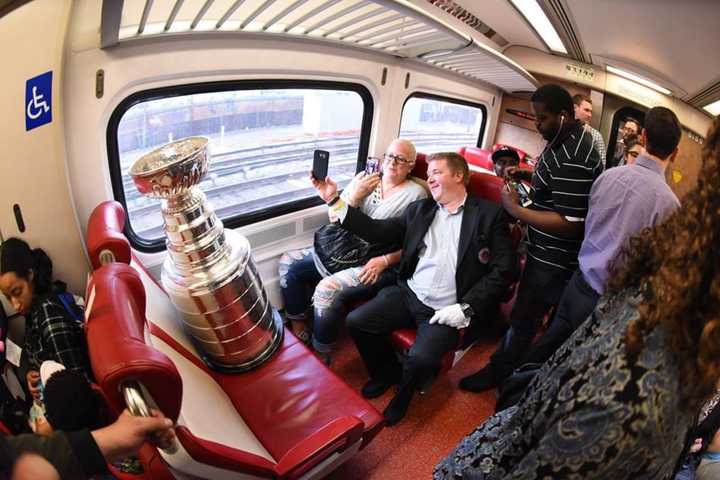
[[467, 310]]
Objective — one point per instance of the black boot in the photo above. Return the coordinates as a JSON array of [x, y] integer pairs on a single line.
[[482, 380], [396, 409], [376, 387]]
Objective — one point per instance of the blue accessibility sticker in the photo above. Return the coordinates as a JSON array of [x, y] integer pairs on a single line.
[[38, 101]]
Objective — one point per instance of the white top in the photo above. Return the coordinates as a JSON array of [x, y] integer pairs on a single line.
[[380, 208]]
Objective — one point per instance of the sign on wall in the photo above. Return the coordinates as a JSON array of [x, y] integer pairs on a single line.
[[38, 101]]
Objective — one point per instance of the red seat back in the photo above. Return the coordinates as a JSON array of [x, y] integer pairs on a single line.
[[479, 157], [116, 341], [420, 168], [486, 186], [105, 234]]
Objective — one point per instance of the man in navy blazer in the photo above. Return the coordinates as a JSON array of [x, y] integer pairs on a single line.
[[457, 264]]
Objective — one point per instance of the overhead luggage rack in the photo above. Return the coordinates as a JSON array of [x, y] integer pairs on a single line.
[[399, 28]]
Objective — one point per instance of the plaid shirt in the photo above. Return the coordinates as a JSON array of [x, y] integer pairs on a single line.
[[55, 335]]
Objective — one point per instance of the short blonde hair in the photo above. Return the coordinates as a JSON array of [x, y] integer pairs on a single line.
[[455, 162]]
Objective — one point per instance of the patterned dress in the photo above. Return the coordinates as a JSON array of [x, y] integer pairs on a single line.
[[589, 414]]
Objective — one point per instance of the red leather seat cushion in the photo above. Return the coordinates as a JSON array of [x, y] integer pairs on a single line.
[[291, 396]]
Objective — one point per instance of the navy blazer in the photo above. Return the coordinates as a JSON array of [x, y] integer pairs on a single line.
[[487, 262]]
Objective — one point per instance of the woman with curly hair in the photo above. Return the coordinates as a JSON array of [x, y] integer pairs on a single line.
[[617, 399], [54, 323]]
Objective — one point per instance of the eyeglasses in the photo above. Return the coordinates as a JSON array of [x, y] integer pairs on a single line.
[[399, 159]]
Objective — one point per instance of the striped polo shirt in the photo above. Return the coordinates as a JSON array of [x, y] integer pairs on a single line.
[[561, 182]]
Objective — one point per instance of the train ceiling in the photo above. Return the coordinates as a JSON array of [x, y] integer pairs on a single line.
[[410, 29], [670, 42]]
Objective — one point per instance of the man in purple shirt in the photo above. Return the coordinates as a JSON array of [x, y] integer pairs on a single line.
[[623, 202]]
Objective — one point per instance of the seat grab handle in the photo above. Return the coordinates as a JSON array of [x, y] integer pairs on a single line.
[[138, 406]]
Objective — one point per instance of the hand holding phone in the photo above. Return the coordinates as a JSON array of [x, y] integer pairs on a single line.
[[518, 174], [522, 191], [372, 165], [321, 159]]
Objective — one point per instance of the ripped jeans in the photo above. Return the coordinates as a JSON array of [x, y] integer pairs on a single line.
[[299, 276]]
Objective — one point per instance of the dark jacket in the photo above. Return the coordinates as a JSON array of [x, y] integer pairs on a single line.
[[74, 455], [480, 281]]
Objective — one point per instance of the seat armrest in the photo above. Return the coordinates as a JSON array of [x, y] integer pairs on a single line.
[[344, 431], [105, 234], [222, 456]]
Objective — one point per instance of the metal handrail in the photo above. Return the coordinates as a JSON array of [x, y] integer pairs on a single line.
[[138, 406]]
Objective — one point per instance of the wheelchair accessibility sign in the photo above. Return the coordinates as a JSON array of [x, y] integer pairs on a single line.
[[38, 101]]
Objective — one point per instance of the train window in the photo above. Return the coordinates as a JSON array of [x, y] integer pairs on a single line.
[[262, 137], [440, 124]]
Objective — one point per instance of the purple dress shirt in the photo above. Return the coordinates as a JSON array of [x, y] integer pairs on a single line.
[[623, 201]]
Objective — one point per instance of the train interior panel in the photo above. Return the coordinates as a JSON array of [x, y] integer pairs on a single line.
[[160, 153]]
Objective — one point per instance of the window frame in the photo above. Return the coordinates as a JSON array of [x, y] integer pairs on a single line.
[[456, 101], [158, 245]]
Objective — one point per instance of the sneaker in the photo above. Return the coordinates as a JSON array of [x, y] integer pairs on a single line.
[[482, 380]]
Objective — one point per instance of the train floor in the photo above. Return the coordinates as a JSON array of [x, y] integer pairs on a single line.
[[435, 422]]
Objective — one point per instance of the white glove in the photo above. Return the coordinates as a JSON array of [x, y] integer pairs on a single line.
[[452, 316]]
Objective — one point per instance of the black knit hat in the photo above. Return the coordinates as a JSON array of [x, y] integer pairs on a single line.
[[70, 402]]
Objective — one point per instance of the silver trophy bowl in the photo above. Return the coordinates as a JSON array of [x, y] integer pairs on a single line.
[[208, 273]]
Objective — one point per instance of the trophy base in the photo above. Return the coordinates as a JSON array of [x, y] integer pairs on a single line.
[[272, 347]]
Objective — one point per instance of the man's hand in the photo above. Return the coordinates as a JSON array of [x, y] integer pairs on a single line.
[[372, 270], [696, 446], [518, 174], [128, 433], [452, 316], [364, 187], [510, 200], [326, 189], [42, 427], [33, 382]]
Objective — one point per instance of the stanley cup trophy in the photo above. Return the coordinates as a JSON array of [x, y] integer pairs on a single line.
[[208, 273]]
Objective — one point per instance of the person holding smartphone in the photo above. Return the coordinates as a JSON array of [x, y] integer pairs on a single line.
[[560, 188], [305, 280], [457, 264]]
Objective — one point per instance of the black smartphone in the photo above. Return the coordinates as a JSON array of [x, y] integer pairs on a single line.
[[321, 158]]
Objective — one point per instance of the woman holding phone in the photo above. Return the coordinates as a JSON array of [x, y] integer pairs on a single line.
[[304, 278]]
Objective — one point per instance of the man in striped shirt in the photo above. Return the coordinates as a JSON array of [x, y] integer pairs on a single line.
[[560, 189], [623, 202]]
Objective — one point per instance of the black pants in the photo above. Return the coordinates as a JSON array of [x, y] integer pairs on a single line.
[[576, 305], [540, 289], [393, 308]]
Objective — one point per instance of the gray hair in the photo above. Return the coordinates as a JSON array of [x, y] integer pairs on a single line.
[[409, 146]]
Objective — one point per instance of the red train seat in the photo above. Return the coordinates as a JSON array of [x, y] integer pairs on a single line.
[[288, 418], [105, 239], [479, 157]]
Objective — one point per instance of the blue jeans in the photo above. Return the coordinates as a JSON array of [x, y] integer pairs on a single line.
[[298, 278]]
